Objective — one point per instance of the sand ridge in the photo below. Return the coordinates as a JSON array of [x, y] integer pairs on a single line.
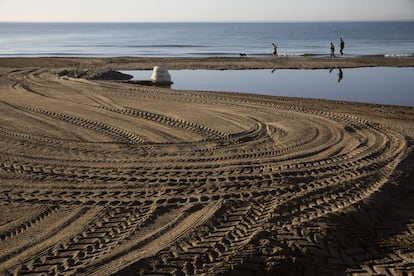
[[211, 63], [102, 178]]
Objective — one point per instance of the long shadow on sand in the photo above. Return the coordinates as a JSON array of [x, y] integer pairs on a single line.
[[374, 237]]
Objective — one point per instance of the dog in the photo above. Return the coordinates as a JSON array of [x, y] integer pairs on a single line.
[[243, 55]]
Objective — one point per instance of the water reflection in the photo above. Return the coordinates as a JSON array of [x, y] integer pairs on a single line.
[[373, 85], [340, 73]]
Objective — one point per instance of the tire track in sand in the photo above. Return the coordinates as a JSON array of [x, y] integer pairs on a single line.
[[269, 186]]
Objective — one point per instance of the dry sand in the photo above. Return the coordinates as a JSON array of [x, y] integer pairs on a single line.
[[101, 177]]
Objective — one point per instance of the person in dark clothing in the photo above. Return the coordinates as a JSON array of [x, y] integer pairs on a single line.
[[274, 49], [342, 46], [340, 74], [332, 50]]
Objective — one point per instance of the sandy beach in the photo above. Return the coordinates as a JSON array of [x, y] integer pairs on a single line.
[[213, 63], [101, 177]]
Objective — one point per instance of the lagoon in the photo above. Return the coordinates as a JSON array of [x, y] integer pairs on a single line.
[[380, 85]]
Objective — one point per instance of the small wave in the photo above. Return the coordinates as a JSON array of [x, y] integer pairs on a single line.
[[48, 54], [219, 54], [167, 46], [398, 55], [134, 46], [300, 55]]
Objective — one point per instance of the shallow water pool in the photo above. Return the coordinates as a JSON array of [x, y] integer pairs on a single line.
[[381, 85]]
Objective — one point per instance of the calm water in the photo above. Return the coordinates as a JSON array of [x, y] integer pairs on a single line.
[[203, 39], [370, 85]]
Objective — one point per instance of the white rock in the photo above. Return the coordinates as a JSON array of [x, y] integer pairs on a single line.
[[160, 75]]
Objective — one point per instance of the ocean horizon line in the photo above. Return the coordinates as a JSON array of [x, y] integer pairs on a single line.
[[208, 22]]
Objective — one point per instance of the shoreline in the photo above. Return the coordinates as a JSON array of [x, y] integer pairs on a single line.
[[209, 63]]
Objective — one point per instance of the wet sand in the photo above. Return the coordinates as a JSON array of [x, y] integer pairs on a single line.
[[216, 63], [101, 177]]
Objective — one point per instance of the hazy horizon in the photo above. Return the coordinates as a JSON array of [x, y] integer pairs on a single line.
[[212, 22], [221, 11]]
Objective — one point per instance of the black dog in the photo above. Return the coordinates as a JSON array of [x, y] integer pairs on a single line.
[[243, 55]]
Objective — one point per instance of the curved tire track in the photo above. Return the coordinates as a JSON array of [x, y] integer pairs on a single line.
[[276, 181]]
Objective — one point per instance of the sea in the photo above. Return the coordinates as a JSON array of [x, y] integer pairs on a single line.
[[204, 39]]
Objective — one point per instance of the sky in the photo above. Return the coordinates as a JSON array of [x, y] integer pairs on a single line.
[[204, 10]]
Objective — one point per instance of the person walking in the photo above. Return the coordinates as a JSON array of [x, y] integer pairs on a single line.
[[342, 46], [332, 50], [274, 52]]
